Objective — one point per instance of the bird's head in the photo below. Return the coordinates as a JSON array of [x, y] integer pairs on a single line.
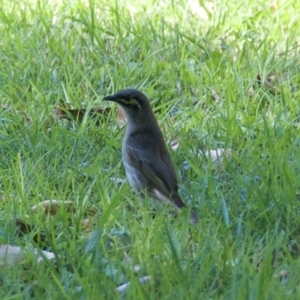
[[131, 100]]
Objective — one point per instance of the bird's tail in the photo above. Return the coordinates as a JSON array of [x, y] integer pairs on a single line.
[[180, 204]]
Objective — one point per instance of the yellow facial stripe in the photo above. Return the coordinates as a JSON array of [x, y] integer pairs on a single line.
[[130, 102]]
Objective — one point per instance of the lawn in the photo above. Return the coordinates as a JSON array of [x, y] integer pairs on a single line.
[[222, 77]]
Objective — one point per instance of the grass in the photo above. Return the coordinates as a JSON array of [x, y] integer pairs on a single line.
[[200, 71]]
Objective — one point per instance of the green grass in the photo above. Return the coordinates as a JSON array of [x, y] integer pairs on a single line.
[[201, 73]]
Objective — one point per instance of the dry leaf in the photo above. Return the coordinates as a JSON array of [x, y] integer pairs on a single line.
[[85, 224], [129, 261], [10, 255], [94, 113], [174, 145], [124, 287], [274, 6], [117, 180], [218, 154], [24, 228], [13, 255], [164, 125], [268, 82], [52, 206], [251, 92], [78, 114], [214, 94], [121, 116], [201, 11], [283, 275], [258, 258]]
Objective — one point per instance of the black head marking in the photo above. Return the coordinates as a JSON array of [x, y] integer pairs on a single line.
[[129, 98]]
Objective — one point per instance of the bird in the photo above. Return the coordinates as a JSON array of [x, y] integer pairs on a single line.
[[145, 157]]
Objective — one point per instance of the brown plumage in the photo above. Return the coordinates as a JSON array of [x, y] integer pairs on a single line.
[[147, 162]]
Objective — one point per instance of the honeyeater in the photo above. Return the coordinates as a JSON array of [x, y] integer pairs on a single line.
[[146, 159]]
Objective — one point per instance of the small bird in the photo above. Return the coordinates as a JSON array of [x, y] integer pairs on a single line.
[[147, 162]]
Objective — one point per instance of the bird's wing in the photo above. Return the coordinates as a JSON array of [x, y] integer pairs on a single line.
[[155, 164]]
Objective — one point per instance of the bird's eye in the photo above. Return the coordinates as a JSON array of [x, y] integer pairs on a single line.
[[132, 103]]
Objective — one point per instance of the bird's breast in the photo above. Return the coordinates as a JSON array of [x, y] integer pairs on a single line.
[[135, 177]]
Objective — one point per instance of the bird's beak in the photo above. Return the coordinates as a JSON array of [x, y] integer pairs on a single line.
[[111, 98]]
